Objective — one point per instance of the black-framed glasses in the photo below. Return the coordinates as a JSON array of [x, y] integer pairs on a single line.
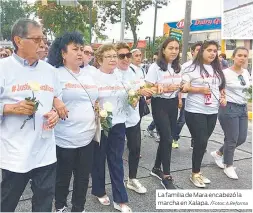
[[37, 40], [122, 56], [242, 81], [86, 52]]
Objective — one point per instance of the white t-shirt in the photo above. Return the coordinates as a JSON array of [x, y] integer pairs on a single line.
[[140, 72], [131, 81], [235, 92], [183, 67], [156, 75], [195, 102], [91, 70], [25, 149], [111, 89], [79, 128]]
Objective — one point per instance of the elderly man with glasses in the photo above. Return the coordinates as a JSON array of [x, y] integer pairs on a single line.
[[28, 88]]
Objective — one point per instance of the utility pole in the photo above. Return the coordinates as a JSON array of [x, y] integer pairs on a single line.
[[153, 44], [123, 17], [186, 32]]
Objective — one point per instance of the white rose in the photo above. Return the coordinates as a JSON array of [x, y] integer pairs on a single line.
[[142, 83], [131, 92], [108, 106], [103, 113], [35, 86]]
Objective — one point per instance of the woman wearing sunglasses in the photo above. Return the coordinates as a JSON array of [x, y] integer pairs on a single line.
[[203, 80], [234, 117], [132, 80]]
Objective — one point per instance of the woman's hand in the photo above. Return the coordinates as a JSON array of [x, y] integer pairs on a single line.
[[147, 92], [185, 87], [223, 101], [60, 108]]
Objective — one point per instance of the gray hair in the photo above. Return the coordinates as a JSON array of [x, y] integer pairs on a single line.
[[20, 28]]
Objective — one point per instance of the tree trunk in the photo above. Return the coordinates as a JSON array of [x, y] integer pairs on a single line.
[[133, 29]]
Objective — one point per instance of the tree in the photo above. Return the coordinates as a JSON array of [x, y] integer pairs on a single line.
[[57, 19], [11, 11], [111, 11]]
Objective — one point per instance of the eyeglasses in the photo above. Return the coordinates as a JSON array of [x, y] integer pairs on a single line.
[[86, 52], [122, 56], [111, 57], [38, 40], [242, 81]]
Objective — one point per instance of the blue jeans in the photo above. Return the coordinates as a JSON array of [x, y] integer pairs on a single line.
[[180, 123], [110, 148]]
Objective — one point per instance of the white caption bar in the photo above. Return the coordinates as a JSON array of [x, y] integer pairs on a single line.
[[204, 199]]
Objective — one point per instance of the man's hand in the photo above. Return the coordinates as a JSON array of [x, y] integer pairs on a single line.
[[52, 118], [21, 108], [60, 108]]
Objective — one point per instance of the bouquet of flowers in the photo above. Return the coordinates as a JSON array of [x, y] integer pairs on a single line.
[[133, 97], [105, 115], [34, 86]]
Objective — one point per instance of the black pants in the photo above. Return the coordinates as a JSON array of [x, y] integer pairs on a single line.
[[133, 135], [201, 127], [165, 117], [79, 162], [43, 187]]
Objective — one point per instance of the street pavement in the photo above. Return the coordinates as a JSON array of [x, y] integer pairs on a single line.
[[181, 170]]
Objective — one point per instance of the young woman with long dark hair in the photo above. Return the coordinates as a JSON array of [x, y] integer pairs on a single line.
[[234, 117], [165, 74], [204, 81]]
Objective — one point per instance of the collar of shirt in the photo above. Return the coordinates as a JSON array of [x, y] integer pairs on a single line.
[[24, 62]]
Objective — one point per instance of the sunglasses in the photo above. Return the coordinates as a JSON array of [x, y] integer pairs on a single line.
[[86, 52], [122, 56], [242, 81]]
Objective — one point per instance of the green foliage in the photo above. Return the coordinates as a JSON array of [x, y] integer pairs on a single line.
[[11, 11], [57, 19], [111, 12]]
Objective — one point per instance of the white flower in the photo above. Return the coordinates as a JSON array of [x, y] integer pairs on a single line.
[[108, 106], [103, 113], [142, 83], [35, 86], [131, 92]]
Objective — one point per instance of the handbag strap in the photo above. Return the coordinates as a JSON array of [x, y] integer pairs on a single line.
[[82, 87]]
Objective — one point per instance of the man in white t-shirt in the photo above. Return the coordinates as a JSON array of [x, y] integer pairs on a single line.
[[181, 120], [28, 149]]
